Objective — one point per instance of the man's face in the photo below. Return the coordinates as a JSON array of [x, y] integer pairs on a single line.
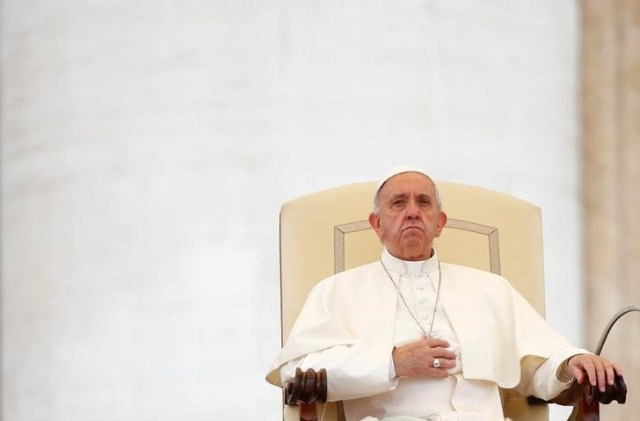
[[409, 218]]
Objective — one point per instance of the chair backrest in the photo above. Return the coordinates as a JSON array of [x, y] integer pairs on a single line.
[[328, 231]]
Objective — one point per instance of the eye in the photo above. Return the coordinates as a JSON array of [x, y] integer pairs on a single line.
[[398, 203], [423, 200]]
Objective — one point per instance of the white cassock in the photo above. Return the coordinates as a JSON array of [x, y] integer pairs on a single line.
[[352, 320]]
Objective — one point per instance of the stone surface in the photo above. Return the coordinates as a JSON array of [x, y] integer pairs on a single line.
[[611, 129], [147, 147]]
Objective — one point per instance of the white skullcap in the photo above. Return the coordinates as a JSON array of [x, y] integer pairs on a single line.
[[400, 169]]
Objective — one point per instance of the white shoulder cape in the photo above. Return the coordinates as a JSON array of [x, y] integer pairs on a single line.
[[497, 328]]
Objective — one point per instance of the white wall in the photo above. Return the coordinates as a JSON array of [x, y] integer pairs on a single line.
[[147, 147]]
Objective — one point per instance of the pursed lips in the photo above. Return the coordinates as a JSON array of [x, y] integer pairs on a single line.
[[412, 227]]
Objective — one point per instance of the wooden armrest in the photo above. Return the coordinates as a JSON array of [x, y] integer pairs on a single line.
[[307, 389], [587, 399]]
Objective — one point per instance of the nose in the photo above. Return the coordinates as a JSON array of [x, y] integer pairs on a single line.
[[412, 210]]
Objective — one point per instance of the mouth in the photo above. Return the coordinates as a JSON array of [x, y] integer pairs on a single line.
[[412, 227]]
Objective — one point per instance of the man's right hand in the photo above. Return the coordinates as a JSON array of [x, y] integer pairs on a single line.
[[416, 358]]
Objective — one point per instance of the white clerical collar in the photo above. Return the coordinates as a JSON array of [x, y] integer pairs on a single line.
[[409, 267]]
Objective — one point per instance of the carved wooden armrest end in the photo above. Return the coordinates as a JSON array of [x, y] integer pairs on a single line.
[[587, 399], [592, 395], [307, 387]]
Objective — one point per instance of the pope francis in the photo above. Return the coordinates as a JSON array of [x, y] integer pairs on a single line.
[[412, 338]]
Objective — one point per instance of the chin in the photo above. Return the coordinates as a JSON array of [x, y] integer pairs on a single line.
[[416, 255]]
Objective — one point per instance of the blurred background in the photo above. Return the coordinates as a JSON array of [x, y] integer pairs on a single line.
[[147, 146]]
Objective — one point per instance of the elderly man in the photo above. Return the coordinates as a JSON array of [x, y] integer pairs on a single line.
[[409, 336]]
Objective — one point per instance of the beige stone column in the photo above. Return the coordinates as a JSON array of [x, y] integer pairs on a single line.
[[611, 136]]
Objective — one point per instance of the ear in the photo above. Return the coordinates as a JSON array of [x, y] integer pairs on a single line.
[[442, 221], [374, 221]]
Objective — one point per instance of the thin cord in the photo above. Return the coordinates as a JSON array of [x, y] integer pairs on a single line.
[[613, 321], [435, 307]]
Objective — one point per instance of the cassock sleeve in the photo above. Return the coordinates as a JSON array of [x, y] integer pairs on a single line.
[[353, 371], [323, 337]]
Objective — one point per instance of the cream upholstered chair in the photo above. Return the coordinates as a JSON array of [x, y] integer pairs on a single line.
[[328, 231]]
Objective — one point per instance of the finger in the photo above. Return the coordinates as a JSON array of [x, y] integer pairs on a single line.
[[583, 369], [437, 372], [601, 375], [617, 368], [578, 374], [444, 353], [608, 371], [436, 342], [441, 371], [611, 373], [590, 371], [441, 364], [446, 364]]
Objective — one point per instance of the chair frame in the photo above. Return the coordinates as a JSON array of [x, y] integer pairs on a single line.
[[328, 237]]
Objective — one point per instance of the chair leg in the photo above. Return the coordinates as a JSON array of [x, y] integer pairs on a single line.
[[308, 411], [589, 406]]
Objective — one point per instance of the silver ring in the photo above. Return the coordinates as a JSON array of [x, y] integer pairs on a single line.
[[435, 363]]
